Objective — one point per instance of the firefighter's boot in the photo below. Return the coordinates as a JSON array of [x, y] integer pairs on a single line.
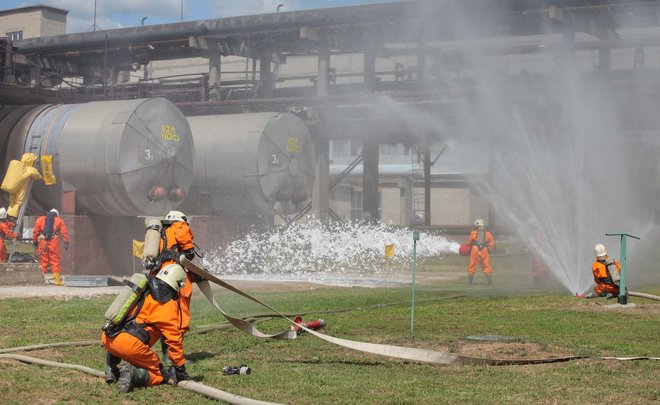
[[58, 279], [471, 279], [46, 281], [489, 280], [111, 369], [131, 377]]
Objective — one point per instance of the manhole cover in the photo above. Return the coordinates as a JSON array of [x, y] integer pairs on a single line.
[[492, 338]]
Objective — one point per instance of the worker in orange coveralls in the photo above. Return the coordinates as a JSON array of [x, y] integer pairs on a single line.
[[481, 241], [6, 233], [176, 239], [539, 269], [157, 316], [606, 272], [48, 230]]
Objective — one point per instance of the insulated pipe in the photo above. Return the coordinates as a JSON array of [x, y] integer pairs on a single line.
[[253, 163], [128, 157]]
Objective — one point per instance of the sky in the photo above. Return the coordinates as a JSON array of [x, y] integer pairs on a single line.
[[129, 13]]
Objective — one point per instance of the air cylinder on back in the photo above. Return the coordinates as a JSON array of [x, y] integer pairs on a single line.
[[128, 157]]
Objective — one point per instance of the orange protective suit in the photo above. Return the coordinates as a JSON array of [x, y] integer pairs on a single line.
[[179, 239], [604, 283], [49, 249], [539, 271], [17, 180], [158, 320], [6, 228], [479, 254]]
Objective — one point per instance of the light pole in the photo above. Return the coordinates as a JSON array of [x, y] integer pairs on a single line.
[[181, 10]]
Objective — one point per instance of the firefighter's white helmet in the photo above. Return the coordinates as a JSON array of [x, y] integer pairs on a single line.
[[173, 275], [57, 213], [599, 250], [479, 222], [176, 216], [3, 213]]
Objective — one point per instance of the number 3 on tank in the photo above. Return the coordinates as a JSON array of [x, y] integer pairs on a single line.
[[147, 154]]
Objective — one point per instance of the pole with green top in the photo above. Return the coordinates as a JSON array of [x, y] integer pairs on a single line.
[[414, 268], [623, 293]]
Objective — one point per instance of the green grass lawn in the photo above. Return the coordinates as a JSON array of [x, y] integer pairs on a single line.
[[546, 323]]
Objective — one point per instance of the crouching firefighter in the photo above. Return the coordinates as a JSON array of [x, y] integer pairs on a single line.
[[156, 313], [606, 271]]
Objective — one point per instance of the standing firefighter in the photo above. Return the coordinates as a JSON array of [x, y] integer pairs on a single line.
[[606, 273], [176, 239], [6, 233], [48, 230], [156, 315], [481, 241]]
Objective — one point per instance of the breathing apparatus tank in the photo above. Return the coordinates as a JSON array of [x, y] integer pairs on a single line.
[[125, 301], [152, 239], [613, 272]]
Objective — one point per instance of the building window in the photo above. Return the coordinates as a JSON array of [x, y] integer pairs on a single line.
[[15, 35]]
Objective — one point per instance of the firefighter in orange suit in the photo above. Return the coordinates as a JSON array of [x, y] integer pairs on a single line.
[[48, 230], [481, 241], [606, 272], [157, 316], [539, 269], [176, 240], [6, 233]]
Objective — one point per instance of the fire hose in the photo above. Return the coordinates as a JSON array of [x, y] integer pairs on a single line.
[[413, 354], [644, 295], [188, 384]]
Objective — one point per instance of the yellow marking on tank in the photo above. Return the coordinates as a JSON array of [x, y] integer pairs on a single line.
[[292, 145], [169, 133]]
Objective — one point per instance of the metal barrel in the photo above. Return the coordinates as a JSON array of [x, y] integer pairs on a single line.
[[111, 153], [253, 163]]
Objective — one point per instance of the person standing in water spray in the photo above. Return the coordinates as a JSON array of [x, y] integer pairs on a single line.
[[481, 241]]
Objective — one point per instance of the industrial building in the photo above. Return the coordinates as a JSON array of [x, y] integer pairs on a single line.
[[301, 112]]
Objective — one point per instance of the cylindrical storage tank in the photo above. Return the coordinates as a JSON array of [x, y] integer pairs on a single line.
[[128, 157], [256, 163]]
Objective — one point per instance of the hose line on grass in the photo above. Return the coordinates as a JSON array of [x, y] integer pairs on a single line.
[[644, 295], [189, 385]]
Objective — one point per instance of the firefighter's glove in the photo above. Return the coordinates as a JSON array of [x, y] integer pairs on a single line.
[[148, 264], [189, 253], [177, 373], [66, 245]]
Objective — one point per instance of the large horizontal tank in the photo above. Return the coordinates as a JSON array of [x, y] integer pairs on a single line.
[[128, 157], [254, 163]]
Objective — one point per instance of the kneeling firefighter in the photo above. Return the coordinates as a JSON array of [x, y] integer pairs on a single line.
[[156, 314], [606, 271], [164, 242]]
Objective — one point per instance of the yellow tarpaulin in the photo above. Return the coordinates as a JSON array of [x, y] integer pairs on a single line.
[[389, 250], [138, 248], [47, 170]]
